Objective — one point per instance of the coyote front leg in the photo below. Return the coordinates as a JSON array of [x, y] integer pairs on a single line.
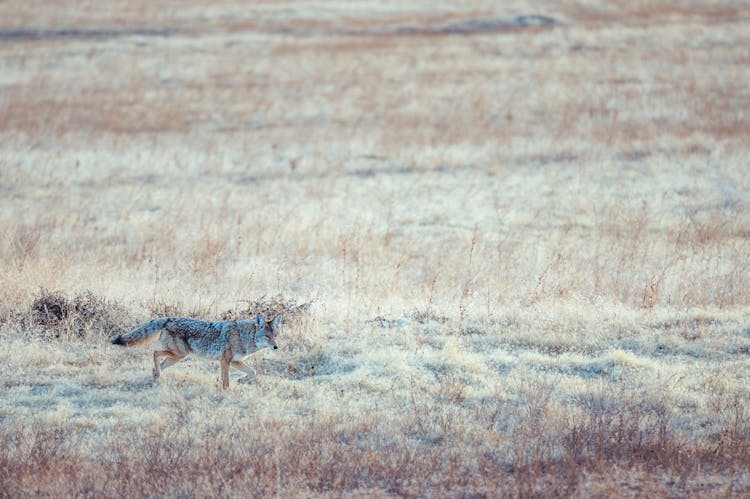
[[224, 373], [245, 369]]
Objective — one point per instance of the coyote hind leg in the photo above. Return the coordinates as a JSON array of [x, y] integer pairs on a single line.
[[170, 361], [172, 358]]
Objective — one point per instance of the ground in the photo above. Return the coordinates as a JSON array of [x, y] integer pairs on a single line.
[[519, 233]]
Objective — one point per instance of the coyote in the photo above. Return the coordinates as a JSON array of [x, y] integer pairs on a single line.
[[227, 342]]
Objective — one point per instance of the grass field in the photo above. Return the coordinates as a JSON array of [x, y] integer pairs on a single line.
[[522, 229]]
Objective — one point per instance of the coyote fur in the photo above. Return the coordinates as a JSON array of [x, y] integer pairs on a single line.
[[227, 342]]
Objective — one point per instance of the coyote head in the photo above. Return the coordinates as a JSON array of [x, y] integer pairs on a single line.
[[265, 334]]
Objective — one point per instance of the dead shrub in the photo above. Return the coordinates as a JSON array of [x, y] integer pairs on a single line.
[[50, 308], [80, 316], [269, 308], [161, 308]]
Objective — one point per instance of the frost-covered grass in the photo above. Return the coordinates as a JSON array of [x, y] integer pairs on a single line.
[[526, 247], [395, 409]]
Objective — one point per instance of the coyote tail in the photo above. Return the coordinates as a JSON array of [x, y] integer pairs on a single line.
[[144, 334]]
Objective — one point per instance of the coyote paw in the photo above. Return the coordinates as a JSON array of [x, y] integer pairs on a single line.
[[156, 375]]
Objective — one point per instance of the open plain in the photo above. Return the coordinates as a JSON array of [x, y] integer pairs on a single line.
[[519, 233]]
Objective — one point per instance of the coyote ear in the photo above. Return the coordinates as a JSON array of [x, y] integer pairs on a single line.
[[259, 320], [277, 320]]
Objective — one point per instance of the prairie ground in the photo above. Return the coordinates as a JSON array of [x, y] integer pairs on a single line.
[[521, 231]]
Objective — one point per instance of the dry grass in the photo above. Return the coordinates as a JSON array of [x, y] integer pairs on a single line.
[[512, 251]]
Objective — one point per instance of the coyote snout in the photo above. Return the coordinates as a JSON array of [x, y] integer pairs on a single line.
[[227, 342], [267, 341]]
